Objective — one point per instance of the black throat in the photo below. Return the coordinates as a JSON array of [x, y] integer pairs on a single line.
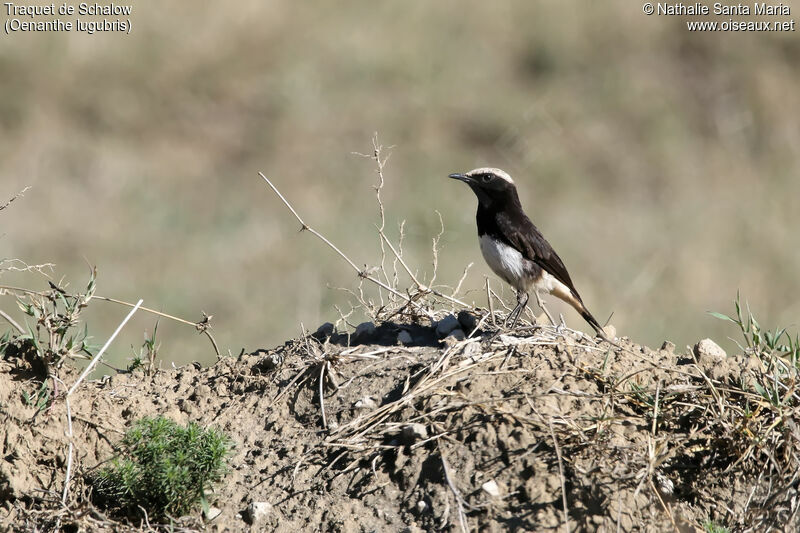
[[498, 213]]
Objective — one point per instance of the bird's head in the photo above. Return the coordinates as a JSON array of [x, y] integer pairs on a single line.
[[488, 184]]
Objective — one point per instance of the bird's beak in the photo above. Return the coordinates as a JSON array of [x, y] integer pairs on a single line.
[[462, 177]]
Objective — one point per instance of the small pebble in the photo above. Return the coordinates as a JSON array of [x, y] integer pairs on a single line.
[[710, 350], [467, 320], [271, 361], [212, 513], [366, 403], [257, 511], [668, 346], [422, 506], [472, 349], [414, 432], [457, 334], [446, 325], [404, 337], [491, 488], [364, 331], [324, 331], [665, 485]]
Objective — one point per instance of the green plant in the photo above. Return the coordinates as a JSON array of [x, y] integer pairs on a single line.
[[710, 527], [763, 342], [39, 399], [776, 351], [135, 364], [147, 352], [57, 313], [5, 340], [165, 468]]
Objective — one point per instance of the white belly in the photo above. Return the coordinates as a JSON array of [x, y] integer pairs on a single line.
[[508, 263], [504, 261]]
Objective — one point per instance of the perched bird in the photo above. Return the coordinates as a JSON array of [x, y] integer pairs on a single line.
[[515, 249]]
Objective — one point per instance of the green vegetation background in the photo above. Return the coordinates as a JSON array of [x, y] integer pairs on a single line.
[[663, 165]]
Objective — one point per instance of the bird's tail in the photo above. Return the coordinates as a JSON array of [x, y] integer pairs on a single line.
[[587, 316], [572, 297]]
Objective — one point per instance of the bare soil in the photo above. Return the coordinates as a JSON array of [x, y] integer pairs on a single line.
[[498, 432]]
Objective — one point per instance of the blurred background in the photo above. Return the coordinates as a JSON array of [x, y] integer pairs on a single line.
[[663, 165]]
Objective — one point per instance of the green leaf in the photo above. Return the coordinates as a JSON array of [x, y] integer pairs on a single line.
[[721, 316], [761, 391]]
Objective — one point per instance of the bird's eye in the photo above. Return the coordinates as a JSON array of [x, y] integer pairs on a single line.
[[486, 178]]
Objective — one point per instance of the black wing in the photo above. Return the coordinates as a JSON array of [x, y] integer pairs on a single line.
[[530, 242]]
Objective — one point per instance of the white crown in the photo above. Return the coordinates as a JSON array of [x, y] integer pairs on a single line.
[[488, 170]]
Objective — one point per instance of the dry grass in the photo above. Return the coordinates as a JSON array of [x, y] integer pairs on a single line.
[[694, 430], [395, 295]]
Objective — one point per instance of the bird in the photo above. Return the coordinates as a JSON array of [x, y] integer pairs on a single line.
[[515, 249]]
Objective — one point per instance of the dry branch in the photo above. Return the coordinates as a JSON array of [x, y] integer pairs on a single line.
[[20, 194], [72, 389], [362, 273]]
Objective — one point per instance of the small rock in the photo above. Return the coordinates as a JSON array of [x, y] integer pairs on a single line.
[[271, 361], [668, 346], [457, 335], [422, 506], [404, 337], [446, 325], [491, 488], [665, 485], [709, 350], [202, 391], [610, 332], [467, 320], [366, 403], [364, 331], [258, 511], [212, 513], [324, 331], [713, 359], [187, 407], [414, 432], [472, 349]]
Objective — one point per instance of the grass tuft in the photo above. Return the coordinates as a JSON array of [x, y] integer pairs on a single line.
[[164, 468], [761, 342], [711, 527]]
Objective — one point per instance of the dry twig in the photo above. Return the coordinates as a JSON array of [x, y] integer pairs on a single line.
[[88, 369], [20, 194]]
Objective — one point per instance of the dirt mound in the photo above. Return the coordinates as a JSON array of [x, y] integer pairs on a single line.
[[495, 432]]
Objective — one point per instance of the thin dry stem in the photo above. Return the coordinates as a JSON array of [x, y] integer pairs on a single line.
[[17, 265], [361, 272], [97, 357], [203, 326], [20, 194], [462, 519], [490, 302], [435, 248], [11, 321], [461, 280], [322, 394], [72, 389], [561, 475]]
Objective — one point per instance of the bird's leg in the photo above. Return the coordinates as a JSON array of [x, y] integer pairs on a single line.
[[540, 303], [522, 301]]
